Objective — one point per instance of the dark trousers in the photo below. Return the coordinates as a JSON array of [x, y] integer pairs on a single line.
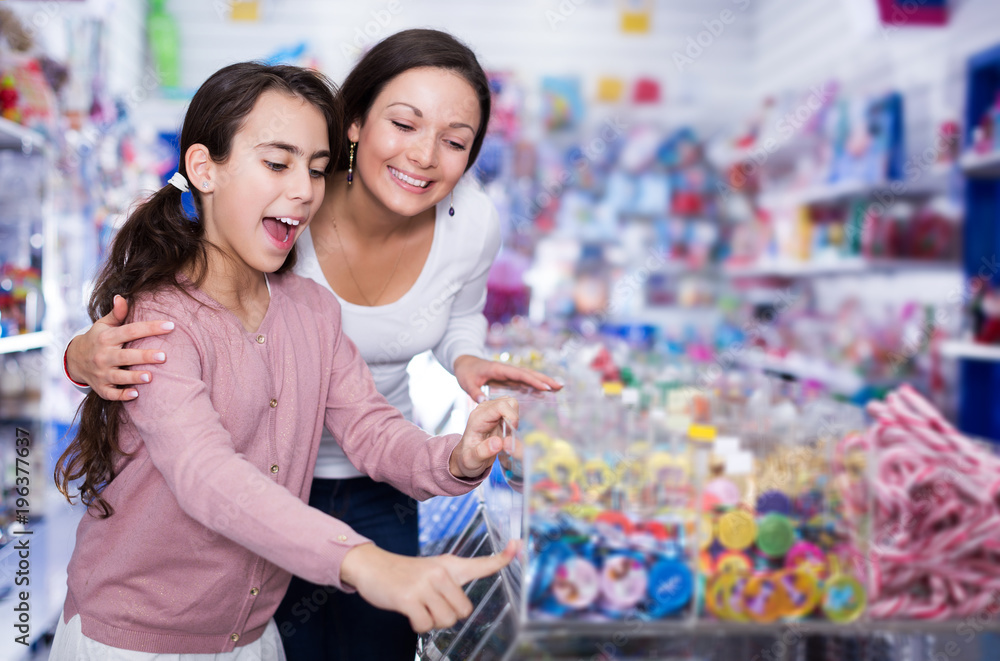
[[317, 622]]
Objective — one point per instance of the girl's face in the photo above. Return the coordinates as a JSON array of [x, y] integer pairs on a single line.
[[261, 199], [414, 144]]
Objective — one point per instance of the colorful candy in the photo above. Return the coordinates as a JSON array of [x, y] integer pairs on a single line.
[[935, 545]]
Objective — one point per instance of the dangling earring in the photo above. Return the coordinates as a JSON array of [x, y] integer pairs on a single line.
[[350, 165], [451, 209]]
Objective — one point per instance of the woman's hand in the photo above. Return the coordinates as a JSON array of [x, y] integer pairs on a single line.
[[473, 373], [97, 356], [484, 437], [428, 591]]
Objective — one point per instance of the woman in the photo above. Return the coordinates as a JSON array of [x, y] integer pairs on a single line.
[[406, 248]]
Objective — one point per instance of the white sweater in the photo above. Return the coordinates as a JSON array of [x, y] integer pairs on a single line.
[[443, 310]]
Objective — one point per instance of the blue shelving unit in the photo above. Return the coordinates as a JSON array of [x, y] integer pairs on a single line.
[[979, 410]]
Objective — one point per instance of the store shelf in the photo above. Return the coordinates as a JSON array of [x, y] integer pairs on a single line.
[[981, 166], [931, 183], [852, 266], [15, 136], [25, 342], [768, 150], [970, 350], [838, 380]]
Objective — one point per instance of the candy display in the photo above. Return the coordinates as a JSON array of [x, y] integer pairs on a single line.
[[609, 532], [775, 545], [654, 493], [661, 499], [935, 553]]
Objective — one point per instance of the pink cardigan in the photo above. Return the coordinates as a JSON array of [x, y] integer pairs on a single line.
[[209, 515]]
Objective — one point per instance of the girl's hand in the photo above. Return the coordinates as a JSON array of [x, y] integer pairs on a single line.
[[428, 591], [96, 357], [483, 437], [473, 373]]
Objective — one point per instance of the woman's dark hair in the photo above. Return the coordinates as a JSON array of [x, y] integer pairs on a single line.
[[396, 54], [159, 241]]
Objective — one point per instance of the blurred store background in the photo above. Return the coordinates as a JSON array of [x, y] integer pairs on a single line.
[[805, 188]]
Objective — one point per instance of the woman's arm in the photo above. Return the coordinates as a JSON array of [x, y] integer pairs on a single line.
[[96, 358], [466, 331], [461, 348]]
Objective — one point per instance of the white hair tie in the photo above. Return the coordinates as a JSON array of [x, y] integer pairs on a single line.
[[179, 182]]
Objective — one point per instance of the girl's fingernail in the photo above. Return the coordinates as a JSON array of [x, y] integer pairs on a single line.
[[144, 378], [160, 356], [132, 394], [116, 298], [480, 399], [167, 325]]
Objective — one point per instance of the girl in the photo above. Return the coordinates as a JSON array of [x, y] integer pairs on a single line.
[[195, 518], [410, 276]]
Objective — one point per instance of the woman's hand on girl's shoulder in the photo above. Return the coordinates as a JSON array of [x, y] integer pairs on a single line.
[[97, 358]]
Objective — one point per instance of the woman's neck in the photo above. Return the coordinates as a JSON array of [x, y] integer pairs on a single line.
[[368, 218]]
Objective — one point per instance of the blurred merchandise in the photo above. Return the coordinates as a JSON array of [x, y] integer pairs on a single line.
[[985, 311], [164, 41], [653, 490], [909, 12], [21, 307], [756, 242], [980, 164], [563, 106]]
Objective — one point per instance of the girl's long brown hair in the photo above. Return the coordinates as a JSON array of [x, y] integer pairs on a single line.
[[159, 240]]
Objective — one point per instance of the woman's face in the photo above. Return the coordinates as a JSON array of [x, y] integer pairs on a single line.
[[414, 144]]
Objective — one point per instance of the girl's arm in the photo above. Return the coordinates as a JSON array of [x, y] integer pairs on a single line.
[[461, 348], [381, 443], [96, 358], [218, 487]]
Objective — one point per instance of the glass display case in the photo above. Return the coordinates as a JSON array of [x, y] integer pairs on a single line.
[[711, 520]]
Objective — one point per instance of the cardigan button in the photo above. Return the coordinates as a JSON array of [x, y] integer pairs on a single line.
[[235, 637], [274, 468], [341, 538], [260, 339], [254, 592], [274, 403]]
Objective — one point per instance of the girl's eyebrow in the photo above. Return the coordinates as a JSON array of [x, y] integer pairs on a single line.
[[416, 111], [292, 149]]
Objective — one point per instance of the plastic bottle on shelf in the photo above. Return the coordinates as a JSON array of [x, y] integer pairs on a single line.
[[784, 413], [164, 42]]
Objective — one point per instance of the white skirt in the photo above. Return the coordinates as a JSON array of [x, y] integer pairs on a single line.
[[71, 645]]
